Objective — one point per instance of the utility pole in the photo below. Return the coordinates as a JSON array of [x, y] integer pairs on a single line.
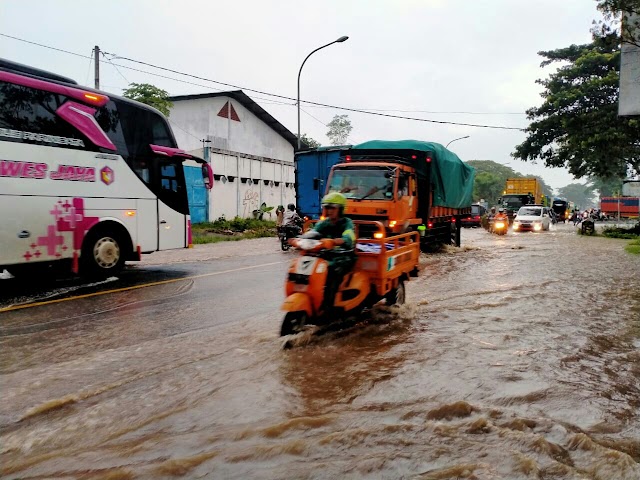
[[96, 60], [205, 149]]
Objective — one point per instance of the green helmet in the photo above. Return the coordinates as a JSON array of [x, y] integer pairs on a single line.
[[334, 198]]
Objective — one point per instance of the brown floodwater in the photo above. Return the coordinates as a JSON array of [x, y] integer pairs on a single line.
[[515, 357]]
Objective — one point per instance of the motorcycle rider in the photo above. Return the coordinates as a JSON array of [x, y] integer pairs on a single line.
[[500, 217], [291, 217], [339, 228]]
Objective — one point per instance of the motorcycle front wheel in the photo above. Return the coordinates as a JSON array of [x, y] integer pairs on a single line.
[[293, 323]]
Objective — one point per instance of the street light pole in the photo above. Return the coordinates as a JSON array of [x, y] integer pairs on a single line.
[[339, 40], [455, 139]]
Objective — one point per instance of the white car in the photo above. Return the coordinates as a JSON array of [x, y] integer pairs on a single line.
[[532, 218]]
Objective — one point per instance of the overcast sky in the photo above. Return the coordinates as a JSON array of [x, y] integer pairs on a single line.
[[422, 58]]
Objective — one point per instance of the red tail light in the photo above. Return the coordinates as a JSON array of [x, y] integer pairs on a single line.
[[428, 159], [429, 224], [347, 158]]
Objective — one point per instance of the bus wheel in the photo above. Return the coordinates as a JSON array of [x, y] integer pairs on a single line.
[[396, 296], [103, 254]]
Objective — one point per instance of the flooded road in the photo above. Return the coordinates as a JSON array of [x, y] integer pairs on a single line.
[[515, 357]]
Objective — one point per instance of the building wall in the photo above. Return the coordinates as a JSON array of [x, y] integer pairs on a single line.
[[238, 151], [193, 120], [233, 195]]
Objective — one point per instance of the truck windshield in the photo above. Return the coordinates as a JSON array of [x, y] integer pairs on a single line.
[[514, 202], [360, 183]]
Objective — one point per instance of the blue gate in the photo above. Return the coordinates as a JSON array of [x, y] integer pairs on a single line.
[[197, 194]]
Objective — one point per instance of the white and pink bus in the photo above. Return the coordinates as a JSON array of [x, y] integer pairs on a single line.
[[86, 177]]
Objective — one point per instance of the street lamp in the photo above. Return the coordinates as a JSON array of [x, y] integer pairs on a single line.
[[455, 139], [344, 38]]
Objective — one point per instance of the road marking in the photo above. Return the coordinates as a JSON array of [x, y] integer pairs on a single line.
[[133, 287]]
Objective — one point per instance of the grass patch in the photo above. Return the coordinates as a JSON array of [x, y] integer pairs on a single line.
[[223, 230], [633, 247], [630, 233]]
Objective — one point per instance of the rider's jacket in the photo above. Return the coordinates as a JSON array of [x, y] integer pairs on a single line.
[[343, 229], [290, 218]]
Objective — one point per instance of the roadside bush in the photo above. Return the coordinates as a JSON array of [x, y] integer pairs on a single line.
[[630, 233], [223, 230], [236, 224]]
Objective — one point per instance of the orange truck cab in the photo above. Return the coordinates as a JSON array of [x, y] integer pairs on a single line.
[[407, 186]]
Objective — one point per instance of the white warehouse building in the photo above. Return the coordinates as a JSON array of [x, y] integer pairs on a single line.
[[251, 153]]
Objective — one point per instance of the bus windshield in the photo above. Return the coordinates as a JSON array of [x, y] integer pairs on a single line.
[[362, 183]]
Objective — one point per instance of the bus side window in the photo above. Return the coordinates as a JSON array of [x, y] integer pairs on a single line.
[[169, 178], [32, 114]]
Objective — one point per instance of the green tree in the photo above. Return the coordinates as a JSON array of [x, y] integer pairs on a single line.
[[339, 129], [490, 179], [487, 187], [581, 194], [150, 95], [308, 141], [606, 187], [577, 125], [613, 11]]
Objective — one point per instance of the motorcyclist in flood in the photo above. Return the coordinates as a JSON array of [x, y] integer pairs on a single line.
[[339, 228], [291, 217]]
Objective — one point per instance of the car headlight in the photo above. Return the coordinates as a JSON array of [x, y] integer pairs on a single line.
[[537, 226]]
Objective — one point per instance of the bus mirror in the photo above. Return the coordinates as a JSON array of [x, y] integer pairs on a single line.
[[207, 176]]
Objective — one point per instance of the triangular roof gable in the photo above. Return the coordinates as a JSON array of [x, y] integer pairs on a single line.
[[253, 107]]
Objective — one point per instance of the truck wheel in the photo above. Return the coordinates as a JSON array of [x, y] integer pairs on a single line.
[[103, 253], [396, 296], [293, 323]]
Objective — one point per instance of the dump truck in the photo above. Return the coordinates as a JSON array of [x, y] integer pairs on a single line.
[[521, 191], [407, 185]]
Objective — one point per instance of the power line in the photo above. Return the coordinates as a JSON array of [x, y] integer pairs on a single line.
[[316, 119], [436, 112], [104, 54], [283, 97], [356, 110], [180, 128], [44, 46], [89, 68]]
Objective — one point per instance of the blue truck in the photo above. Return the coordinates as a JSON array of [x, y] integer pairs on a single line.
[[312, 168]]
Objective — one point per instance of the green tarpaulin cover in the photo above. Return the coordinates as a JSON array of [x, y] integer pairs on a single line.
[[452, 178]]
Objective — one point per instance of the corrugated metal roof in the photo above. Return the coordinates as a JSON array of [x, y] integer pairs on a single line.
[[253, 107]]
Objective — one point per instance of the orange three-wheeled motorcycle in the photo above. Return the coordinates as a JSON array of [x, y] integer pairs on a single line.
[[382, 266]]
